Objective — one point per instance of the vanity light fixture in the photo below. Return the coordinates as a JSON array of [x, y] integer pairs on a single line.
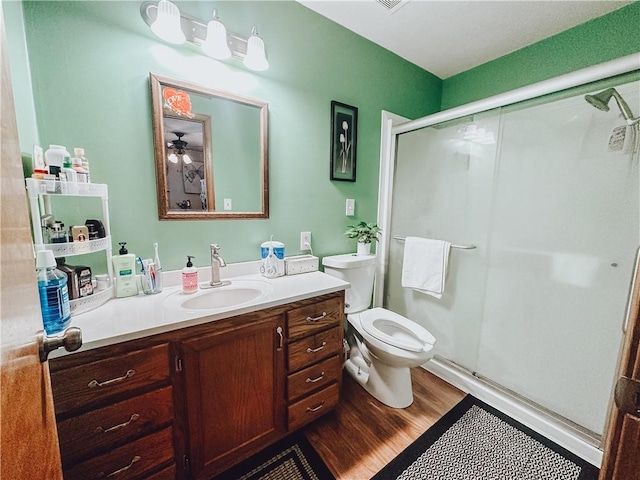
[[169, 24]]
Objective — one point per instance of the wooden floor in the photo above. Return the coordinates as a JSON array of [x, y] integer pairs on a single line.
[[362, 435]]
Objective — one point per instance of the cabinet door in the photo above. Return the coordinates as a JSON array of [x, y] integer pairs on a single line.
[[234, 382]]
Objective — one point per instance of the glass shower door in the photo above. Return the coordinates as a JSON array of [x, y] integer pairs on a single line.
[[442, 190], [564, 233]]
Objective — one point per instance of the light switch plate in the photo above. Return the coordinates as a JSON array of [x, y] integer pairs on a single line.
[[227, 204], [351, 207]]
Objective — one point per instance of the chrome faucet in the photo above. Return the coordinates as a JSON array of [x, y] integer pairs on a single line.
[[216, 262]]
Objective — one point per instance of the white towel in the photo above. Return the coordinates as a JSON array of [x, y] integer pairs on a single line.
[[424, 267]]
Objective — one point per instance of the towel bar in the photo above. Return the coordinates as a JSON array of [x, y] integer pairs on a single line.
[[461, 247]]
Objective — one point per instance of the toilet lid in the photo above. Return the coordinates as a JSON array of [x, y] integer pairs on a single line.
[[396, 330]]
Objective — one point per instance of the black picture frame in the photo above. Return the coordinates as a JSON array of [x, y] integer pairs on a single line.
[[344, 141]]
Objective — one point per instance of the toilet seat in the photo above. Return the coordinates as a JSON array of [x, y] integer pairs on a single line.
[[396, 330]]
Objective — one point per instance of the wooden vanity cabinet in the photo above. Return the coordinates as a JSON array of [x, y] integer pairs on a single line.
[[114, 410], [234, 384], [191, 403], [314, 359]]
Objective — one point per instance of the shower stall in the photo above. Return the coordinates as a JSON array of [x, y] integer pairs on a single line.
[[547, 189]]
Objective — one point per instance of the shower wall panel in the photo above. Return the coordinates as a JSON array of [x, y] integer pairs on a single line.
[[563, 241]]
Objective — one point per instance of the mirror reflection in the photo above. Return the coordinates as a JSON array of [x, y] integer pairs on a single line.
[[211, 152]]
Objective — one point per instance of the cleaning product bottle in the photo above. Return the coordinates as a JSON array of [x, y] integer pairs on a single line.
[[189, 277], [157, 286], [124, 265], [54, 294]]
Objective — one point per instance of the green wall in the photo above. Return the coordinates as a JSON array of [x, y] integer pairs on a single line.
[[599, 40], [90, 63]]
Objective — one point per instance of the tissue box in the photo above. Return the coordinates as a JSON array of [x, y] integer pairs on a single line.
[[300, 264]]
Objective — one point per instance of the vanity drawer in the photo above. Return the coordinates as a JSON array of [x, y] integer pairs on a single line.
[[308, 350], [312, 407], [312, 318], [313, 377], [101, 429], [85, 385], [129, 462]]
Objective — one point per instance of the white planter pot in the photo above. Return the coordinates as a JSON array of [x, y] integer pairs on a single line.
[[363, 249]]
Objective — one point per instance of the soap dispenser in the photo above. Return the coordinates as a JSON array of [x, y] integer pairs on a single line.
[[124, 265], [189, 277]]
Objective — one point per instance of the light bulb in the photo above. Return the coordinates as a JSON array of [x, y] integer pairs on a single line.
[[215, 45], [173, 158], [186, 159], [256, 58], [167, 23]]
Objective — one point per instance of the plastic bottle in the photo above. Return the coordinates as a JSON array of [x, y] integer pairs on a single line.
[[54, 158], [54, 294], [189, 277], [82, 164], [124, 265], [72, 175], [157, 286]]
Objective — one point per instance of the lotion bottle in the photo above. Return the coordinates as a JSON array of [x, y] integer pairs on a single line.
[[189, 277], [124, 265]]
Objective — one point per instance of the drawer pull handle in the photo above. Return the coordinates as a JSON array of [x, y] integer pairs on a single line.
[[281, 340], [96, 383], [314, 380], [316, 408], [135, 459], [133, 418], [315, 319], [314, 350]]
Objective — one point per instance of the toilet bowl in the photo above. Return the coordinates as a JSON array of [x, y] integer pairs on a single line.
[[383, 344]]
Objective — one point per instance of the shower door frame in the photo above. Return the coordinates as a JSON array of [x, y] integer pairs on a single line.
[[543, 422]]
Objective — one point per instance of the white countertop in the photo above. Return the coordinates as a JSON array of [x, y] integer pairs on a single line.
[[123, 319]]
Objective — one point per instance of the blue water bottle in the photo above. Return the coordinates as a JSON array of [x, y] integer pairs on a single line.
[[54, 294]]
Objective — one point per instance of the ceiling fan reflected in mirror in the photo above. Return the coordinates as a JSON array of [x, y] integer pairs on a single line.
[[179, 146]]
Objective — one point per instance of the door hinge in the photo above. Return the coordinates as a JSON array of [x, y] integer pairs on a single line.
[[177, 364], [186, 465], [627, 396]]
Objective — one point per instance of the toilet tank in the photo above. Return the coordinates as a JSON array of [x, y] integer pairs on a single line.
[[359, 271]]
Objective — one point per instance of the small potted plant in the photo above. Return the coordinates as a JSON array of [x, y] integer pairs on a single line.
[[366, 233]]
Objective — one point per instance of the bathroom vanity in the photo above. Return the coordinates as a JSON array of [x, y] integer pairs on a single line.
[[213, 388]]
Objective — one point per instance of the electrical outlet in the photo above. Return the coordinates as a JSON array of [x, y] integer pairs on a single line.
[[351, 207], [227, 204], [305, 240]]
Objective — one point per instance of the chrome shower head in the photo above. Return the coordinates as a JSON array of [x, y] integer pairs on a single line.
[[601, 102]]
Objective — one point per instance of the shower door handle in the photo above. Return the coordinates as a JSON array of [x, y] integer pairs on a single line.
[[627, 396]]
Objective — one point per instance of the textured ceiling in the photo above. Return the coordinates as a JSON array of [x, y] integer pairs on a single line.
[[449, 37]]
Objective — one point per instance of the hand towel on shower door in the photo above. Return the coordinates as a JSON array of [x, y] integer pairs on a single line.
[[424, 267]]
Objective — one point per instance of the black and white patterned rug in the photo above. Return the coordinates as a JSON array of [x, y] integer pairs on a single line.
[[477, 442], [292, 458]]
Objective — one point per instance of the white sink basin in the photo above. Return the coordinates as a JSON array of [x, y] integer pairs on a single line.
[[235, 294]]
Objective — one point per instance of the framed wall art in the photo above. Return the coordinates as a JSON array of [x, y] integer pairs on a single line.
[[344, 136]]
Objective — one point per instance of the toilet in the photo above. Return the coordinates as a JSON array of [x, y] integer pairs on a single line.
[[383, 345]]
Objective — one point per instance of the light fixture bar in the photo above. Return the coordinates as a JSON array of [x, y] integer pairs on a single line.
[[196, 31]]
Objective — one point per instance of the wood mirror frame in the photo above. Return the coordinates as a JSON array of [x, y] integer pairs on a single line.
[[160, 111]]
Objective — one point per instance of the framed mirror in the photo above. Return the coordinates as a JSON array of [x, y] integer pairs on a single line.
[[210, 152]]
